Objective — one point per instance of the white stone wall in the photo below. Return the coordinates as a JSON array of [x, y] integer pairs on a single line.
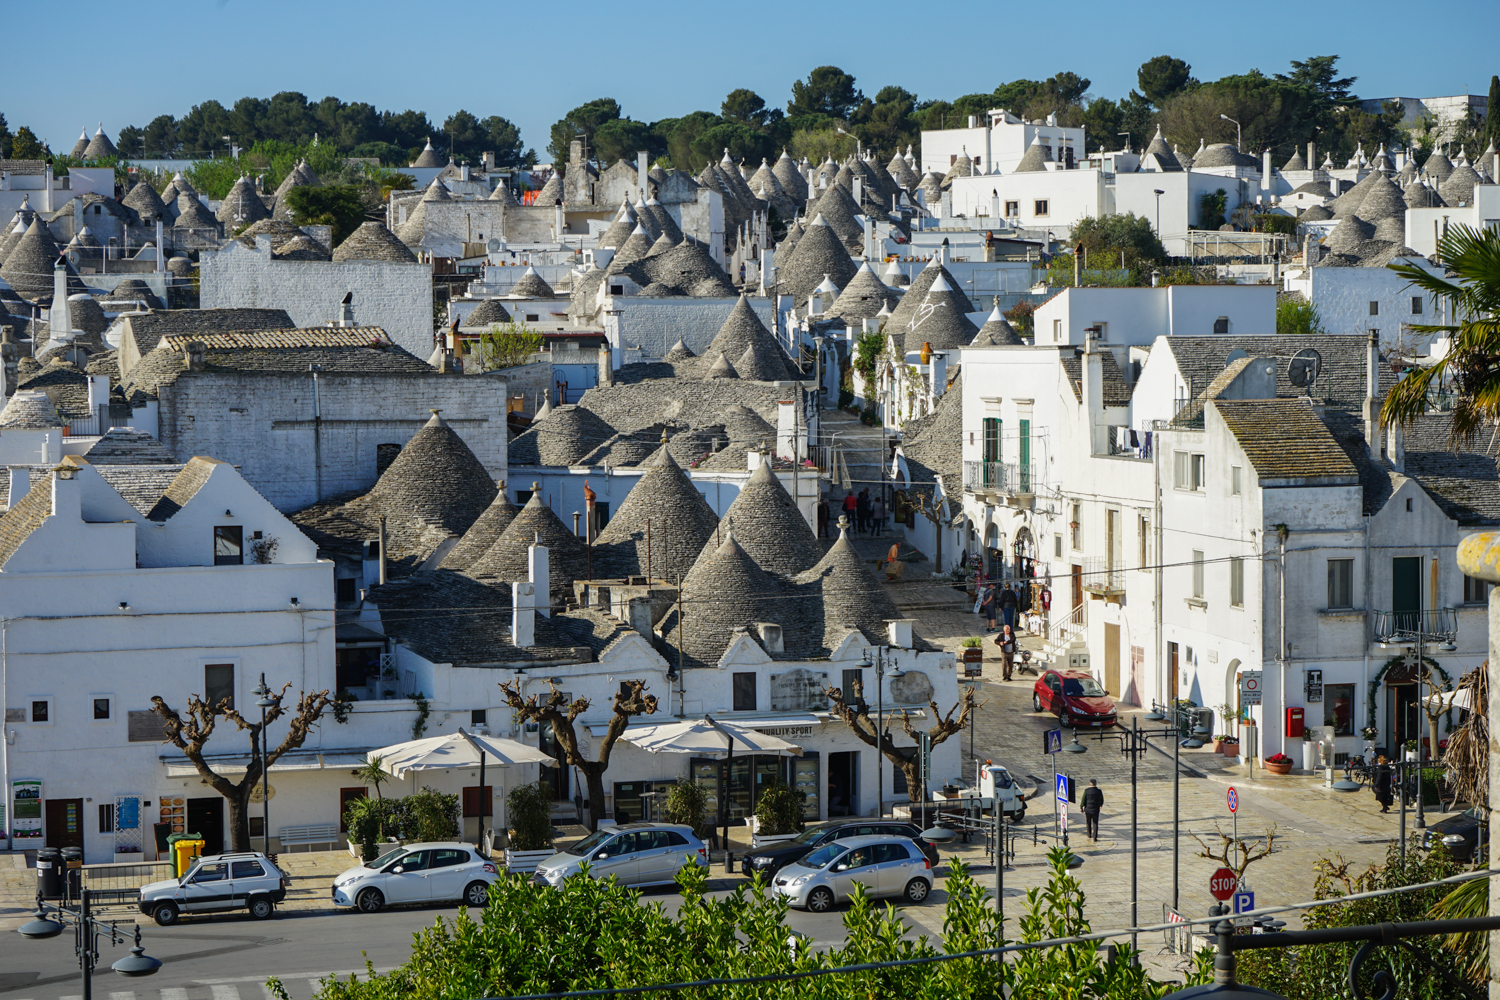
[[395, 297], [656, 324], [264, 425]]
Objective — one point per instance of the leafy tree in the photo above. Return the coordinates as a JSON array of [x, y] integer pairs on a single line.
[[1104, 121], [855, 714], [1272, 113], [1471, 368], [5, 138], [827, 91], [387, 153], [336, 205], [555, 711], [1017, 95], [1111, 235], [621, 139], [890, 125], [529, 808], [26, 146], [931, 116], [408, 129], [1491, 121], [190, 734], [1211, 207], [744, 107], [1021, 317], [678, 135], [584, 119], [821, 143], [504, 346], [128, 142], [159, 138], [201, 131], [503, 138], [1162, 76], [742, 141], [465, 136]]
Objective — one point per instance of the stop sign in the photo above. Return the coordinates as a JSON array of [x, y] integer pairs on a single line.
[[1222, 884]]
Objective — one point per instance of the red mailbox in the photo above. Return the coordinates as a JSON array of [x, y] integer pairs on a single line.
[[1294, 723]]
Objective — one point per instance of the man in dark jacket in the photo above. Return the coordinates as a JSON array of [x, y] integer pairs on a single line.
[[1008, 601], [1093, 801]]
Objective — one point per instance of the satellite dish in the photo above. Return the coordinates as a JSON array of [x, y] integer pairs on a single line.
[[494, 246], [1303, 369], [1235, 355]]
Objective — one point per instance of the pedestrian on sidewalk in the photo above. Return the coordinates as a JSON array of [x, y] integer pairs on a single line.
[[1381, 784], [851, 508], [1006, 640], [1009, 601], [824, 512], [987, 606], [1093, 801], [862, 507], [877, 517]]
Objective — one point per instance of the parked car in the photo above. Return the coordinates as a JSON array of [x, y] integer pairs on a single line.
[[634, 853], [417, 873], [1469, 824], [244, 880], [1075, 697], [770, 859], [885, 866]]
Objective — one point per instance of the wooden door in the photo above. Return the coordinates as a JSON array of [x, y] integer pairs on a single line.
[[1406, 590], [64, 819], [346, 796], [1171, 672], [1077, 606], [1112, 658]]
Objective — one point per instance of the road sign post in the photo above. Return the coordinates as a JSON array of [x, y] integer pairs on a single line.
[[1233, 798], [1244, 901], [1222, 883]]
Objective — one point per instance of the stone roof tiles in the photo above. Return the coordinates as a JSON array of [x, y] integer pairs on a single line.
[[1341, 381], [435, 478], [939, 319], [24, 517], [728, 591], [847, 593], [933, 446], [483, 533], [428, 157], [128, 446], [1458, 187], [790, 177], [29, 409], [679, 519], [742, 332], [532, 286], [909, 308], [1035, 159], [769, 526], [146, 203], [863, 297], [1222, 154], [506, 561], [818, 254], [192, 214], [28, 266], [241, 207], [996, 331], [1285, 439], [563, 438], [99, 146], [487, 313], [1382, 200]]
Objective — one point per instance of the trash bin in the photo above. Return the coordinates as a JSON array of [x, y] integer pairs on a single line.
[[49, 873], [185, 847], [72, 863]]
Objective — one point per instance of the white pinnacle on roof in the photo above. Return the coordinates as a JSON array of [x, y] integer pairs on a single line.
[[639, 230], [827, 287], [996, 316], [885, 310], [939, 284], [817, 221]]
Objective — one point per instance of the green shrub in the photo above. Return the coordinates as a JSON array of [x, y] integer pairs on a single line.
[[687, 804], [363, 818], [431, 815], [530, 809], [779, 809]]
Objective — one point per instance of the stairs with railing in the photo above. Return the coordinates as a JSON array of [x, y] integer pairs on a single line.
[[1061, 634]]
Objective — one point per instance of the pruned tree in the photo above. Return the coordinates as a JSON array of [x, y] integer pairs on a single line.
[[1238, 853], [856, 715], [559, 713], [190, 733]]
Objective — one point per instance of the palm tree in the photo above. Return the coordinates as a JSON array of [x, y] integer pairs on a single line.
[[1471, 367], [372, 773]]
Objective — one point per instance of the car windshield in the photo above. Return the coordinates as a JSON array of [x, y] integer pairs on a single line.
[[589, 844], [1086, 687], [385, 858], [822, 856], [809, 836]]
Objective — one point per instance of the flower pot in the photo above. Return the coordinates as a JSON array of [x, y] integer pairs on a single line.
[[1282, 767], [1230, 749], [1219, 746], [1309, 755]]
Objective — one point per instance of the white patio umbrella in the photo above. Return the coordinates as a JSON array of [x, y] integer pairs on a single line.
[[707, 738], [456, 750]]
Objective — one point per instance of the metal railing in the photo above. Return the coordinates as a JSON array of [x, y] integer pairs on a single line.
[[1439, 625], [1000, 477], [1061, 633], [1100, 576]]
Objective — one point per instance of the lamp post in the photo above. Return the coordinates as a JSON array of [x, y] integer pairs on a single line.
[[263, 701], [1419, 628], [880, 733], [1238, 136], [87, 931], [1158, 192]]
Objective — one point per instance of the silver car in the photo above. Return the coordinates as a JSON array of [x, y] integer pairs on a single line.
[[885, 866], [634, 853]]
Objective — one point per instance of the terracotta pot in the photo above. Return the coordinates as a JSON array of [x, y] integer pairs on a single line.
[[1230, 749], [1285, 768], [1218, 746]]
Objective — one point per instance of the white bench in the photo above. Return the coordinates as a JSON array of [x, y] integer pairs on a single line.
[[323, 833]]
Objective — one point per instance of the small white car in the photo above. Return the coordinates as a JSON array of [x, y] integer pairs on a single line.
[[885, 866], [417, 873], [245, 880], [634, 853]]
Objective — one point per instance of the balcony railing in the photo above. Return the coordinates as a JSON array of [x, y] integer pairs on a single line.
[[1099, 577], [1439, 625], [1000, 477]]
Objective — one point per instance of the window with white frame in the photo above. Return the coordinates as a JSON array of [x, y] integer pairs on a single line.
[[1236, 582], [1187, 471], [1198, 574], [1341, 583], [1236, 480], [39, 711], [101, 707]]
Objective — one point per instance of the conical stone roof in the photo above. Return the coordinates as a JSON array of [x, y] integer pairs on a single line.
[[679, 352], [938, 319], [28, 266], [436, 191], [863, 297], [1036, 158], [183, 185], [428, 157], [1419, 195], [1382, 200], [790, 177], [372, 241], [1458, 189], [536, 523], [665, 224], [562, 438], [144, 201], [1158, 148], [1392, 229], [29, 408], [1317, 213], [769, 526], [742, 332], [721, 368], [487, 313], [635, 248], [818, 254], [1295, 163], [1349, 233], [1348, 203], [837, 209], [502, 194], [551, 192], [996, 332], [482, 534], [192, 214], [661, 246], [1438, 165], [758, 368], [908, 310], [726, 590], [680, 523], [241, 207], [532, 286], [620, 229], [849, 596], [99, 146], [435, 479], [81, 146]]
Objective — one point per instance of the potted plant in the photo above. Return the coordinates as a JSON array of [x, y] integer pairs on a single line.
[[1409, 750], [1309, 750], [1279, 763], [1219, 741], [973, 656], [778, 814], [687, 804], [1231, 746], [1369, 734], [529, 808]]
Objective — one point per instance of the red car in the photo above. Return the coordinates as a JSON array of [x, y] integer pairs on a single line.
[[1075, 697]]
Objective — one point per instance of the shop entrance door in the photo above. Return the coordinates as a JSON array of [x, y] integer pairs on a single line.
[[843, 783], [65, 823], [205, 817]]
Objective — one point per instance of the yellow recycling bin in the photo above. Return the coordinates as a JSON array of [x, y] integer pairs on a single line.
[[184, 852]]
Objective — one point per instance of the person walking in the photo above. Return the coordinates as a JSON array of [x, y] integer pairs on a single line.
[[851, 508], [877, 517], [1006, 640], [1381, 784], [987, 606], [1008, 603], [862, 507], [824, 512], [1093, 801]]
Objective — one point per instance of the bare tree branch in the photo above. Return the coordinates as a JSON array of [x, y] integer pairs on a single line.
[[1246, 852], [856, 715]]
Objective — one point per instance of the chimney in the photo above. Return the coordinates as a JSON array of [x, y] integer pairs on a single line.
[[488, 159], [994, 207], [638, 614], [1312, 250], [899, 631], [60, 319], [939, 372], [787, 444], [346, 310], [463, 172], [1372, 391], [859, 190], [642, 164], [973, 122], [770, 637], [1395, 448], [1267, 175], [192, 353], [537, 568], [380, 550], [161, 251], [523, 614], [1093, 389], [606, 366], [1312, 156], [560, 225], [98, 392]]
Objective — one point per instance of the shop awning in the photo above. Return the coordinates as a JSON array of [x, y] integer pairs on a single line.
[[179, 766], [768, 724]]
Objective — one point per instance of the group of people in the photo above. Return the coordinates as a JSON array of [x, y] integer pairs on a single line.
[[866, 514], [1000, 601]]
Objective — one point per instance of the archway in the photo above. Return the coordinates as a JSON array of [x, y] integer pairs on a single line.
[[994, 551]]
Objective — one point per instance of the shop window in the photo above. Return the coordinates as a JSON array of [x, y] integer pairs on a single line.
[[218, 683], [1338, 708]]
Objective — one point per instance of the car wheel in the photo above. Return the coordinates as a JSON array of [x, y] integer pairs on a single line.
[[261, 908], [1065, 719], [166, 914], [917, 890], [371, 900], [820, 901], [477, 894], [1036, 702]]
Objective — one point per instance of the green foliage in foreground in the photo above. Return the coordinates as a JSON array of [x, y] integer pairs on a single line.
[[600, 935]]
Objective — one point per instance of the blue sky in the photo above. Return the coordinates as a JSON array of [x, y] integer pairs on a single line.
[[533, 62]]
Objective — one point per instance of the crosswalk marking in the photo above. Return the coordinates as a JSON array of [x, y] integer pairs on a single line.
[[226, 992], [239, 988], [123, 995], [173, 993]]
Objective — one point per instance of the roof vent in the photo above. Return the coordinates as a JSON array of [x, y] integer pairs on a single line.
[[770, 637]]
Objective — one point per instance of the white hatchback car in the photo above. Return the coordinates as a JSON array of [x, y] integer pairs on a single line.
[[633, 853], [417, 873], [885, 866]]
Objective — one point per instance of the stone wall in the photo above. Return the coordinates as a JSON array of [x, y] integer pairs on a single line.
[[263, 424], [396, 297]]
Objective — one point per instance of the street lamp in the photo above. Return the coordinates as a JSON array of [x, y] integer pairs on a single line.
[[1419, 627], [880, 732], [1238, 136], [1158, 192], [263, 701], [87, 931], [858, 147]]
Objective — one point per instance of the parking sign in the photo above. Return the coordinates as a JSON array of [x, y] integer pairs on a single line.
[[1244, 901]]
